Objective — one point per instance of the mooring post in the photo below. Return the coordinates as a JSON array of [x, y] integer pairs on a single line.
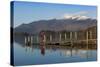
[[44, 38], [28, 38], [65, 36], [71, 39], [31, 39], [87, 34], [37, 39], [25, 40], [90, 34], [70, 35], [50, 37], [75, 35], [60, 37]]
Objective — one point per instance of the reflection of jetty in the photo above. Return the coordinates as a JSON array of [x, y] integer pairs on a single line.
[[62, 50]]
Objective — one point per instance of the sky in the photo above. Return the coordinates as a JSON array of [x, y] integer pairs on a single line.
[[27, 12]]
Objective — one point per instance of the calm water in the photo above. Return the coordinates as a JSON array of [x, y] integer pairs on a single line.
[[35, 54]]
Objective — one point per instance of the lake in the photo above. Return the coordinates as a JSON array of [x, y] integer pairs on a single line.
[[49, 54]]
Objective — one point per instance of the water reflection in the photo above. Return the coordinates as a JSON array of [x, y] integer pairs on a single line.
[[63, 50], [42, 47], [51, 53]]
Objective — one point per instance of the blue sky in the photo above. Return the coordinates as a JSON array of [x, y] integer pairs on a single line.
[[27, 12]]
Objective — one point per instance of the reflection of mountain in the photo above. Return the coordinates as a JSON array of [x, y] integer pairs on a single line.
[[56, 25]]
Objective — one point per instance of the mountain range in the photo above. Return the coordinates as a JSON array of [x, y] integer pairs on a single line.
[[56, 25]]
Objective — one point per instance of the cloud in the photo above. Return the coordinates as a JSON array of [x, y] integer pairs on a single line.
[[82, 13], [79, 15], [67, 16]]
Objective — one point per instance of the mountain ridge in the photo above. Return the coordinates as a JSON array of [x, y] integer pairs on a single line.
[[56, 25]]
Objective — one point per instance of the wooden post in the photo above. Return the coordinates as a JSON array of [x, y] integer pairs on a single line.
[[31, 39], [87, 38], [44, 38], [37, 39], [28, 38], [90, 34], [60, 36], [50, 37], [76, 35], [65, 36], [71, 39], [70, 35], [25, 39]]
